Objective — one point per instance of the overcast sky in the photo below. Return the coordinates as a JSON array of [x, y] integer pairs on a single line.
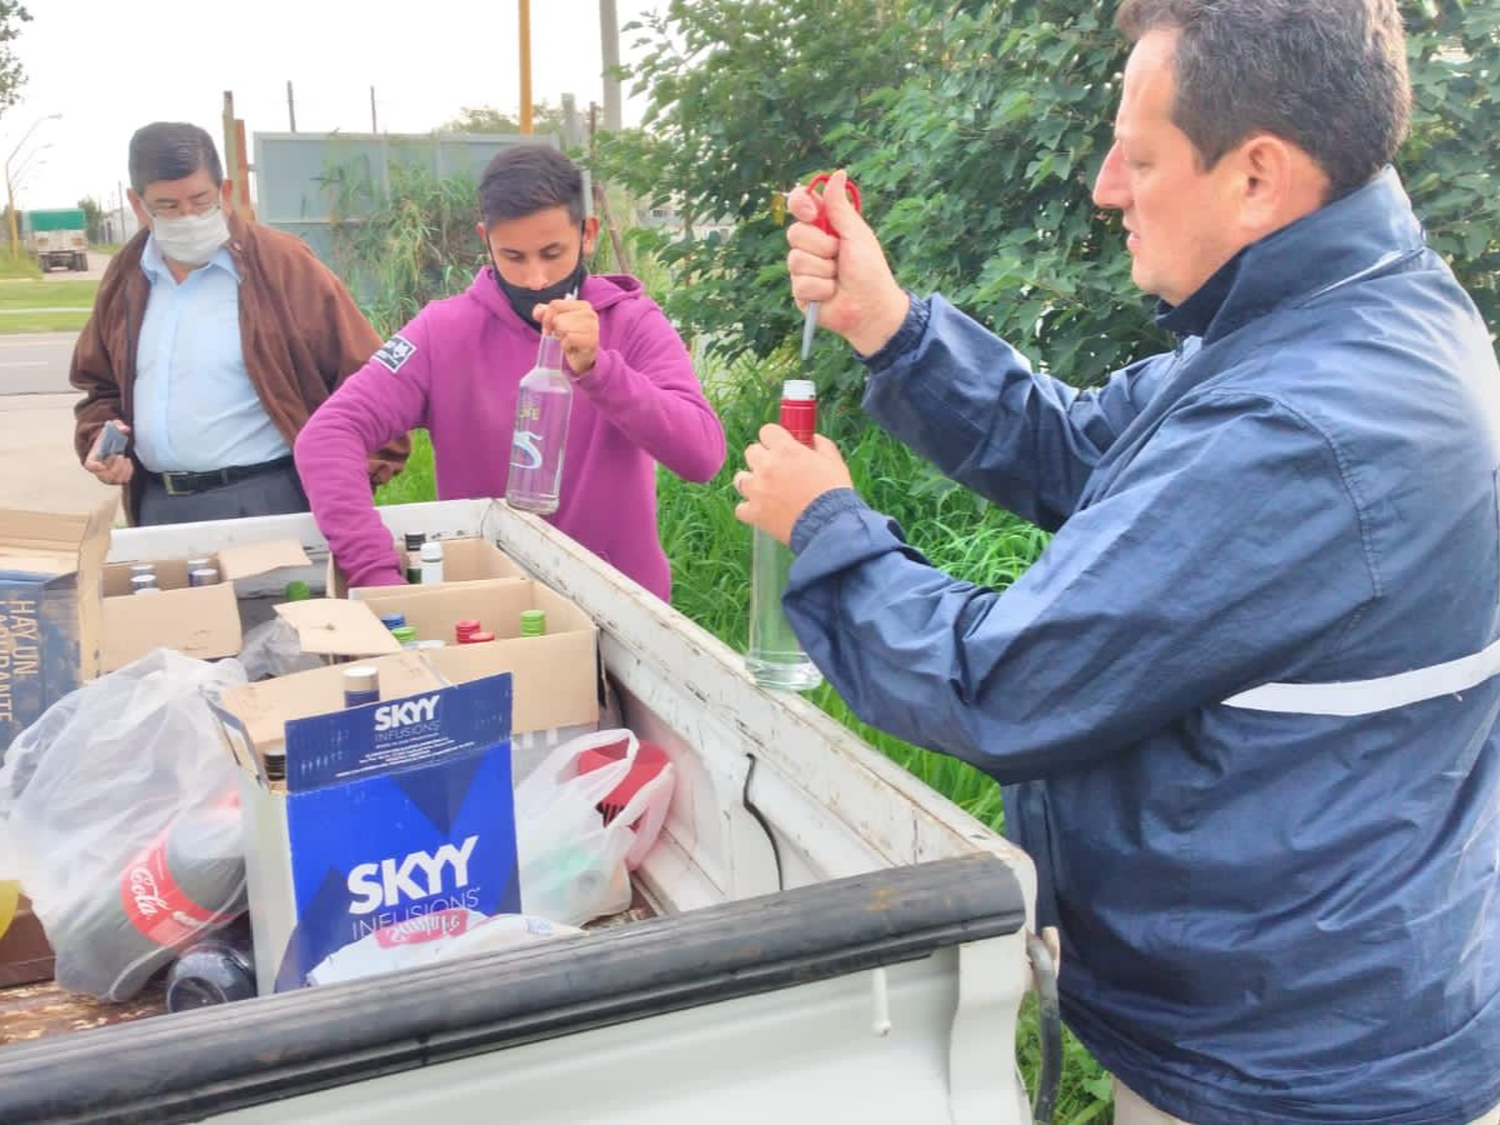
[[109, 67]]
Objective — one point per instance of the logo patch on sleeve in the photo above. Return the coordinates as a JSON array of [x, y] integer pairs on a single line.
[[394, 352]]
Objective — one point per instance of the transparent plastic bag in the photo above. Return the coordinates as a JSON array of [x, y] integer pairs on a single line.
[[272, 649], [572, 864], [118, 815]]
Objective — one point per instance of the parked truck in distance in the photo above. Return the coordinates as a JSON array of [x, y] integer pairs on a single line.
[[58, 238]]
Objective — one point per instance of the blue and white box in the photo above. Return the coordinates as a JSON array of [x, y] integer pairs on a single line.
[[390, 811]]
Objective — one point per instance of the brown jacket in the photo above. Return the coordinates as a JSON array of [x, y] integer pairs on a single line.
[[302, 336]]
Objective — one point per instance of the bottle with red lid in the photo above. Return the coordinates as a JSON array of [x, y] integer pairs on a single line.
[[775, 657]]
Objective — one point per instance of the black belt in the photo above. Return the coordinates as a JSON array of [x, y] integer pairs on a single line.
[[185, 484]]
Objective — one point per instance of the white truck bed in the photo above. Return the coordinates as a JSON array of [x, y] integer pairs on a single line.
[[794, 919]]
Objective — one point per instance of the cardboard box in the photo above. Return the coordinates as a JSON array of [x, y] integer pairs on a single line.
[[51, 617], [333, 627], [25, 956], [197, 621], [556, 677], [393, 811], [464, 560]]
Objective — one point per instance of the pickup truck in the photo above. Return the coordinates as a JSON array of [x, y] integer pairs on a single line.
[[822, 934]]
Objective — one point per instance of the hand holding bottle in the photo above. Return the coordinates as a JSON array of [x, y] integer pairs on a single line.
[[783, 476], [576, 325]]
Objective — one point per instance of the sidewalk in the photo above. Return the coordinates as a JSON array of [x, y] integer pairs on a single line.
[[37, 462]]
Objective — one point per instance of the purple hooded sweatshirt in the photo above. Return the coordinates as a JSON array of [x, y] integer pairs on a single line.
[[454, 370]]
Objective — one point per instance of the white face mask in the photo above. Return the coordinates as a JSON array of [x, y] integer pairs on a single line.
[[192, 239]]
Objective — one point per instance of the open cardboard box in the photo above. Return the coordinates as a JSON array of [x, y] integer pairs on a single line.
[[469, 559], [556, 676], [197, 621], [396, 812], [51, 617]]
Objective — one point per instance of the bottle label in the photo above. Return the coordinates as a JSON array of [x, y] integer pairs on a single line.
[[156, 905], [526, 450]]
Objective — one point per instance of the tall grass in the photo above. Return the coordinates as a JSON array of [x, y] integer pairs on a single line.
[[399, 250], [17, 264]]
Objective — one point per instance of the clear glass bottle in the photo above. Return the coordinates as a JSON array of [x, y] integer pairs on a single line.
[[775, 657], [544, 402]]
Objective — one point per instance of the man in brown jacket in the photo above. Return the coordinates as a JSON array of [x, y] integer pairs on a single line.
[[211, 343]]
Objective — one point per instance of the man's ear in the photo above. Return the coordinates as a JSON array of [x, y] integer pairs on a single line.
[[1279, 183], [590, 234]]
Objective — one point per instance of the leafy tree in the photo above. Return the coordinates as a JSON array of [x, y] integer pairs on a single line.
[[487, 119], [975, 130], [12, 76], [1451, 160], [743, 95], [93, 217]]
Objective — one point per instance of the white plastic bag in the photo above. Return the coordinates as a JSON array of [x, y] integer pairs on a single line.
[[118, 816], [439, 936], [574, 866]]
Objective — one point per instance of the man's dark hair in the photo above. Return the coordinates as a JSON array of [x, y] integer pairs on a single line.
[[1327, 75], [528, 178], [170, 150]]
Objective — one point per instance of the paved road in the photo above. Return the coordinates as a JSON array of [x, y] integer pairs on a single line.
[[36, 364], [37, 462]]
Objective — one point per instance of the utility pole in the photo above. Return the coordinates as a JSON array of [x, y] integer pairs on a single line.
[[525, 67], [374, 128], [572, 130], [291, 107], [609, 42], [120, 198], [231, 149]]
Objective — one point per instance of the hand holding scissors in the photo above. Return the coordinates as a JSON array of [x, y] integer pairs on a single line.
[[838, 269], [815, 188]]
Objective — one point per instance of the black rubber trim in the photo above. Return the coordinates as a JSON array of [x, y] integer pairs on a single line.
[[192, 1064]]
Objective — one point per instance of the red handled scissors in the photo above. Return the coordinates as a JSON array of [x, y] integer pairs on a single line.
[[815, 188]]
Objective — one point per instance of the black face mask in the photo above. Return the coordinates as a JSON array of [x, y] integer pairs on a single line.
[[523, 300]]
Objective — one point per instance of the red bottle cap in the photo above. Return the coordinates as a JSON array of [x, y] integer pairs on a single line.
[[465, 629], [799, 409], [479, 638]]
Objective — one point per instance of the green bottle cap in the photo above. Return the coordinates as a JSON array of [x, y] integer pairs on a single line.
[[298, 591], [406, 634], [533, 622]]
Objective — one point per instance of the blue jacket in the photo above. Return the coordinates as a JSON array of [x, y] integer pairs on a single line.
[[1275, 907]]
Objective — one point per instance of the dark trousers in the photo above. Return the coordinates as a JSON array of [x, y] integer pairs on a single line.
[[272, 493]]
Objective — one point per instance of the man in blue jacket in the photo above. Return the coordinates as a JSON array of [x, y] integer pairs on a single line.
[[1244, 705]]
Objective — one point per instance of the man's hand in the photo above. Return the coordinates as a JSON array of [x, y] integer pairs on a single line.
[[576, 324], [783, 477], [114, 470], [848, 274]]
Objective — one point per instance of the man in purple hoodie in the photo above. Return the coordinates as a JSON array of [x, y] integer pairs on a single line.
[[454, 370]]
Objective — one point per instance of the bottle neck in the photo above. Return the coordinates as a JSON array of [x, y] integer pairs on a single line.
[[550, 354]]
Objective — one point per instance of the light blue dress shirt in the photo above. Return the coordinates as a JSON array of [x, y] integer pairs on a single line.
[[195, 407]]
